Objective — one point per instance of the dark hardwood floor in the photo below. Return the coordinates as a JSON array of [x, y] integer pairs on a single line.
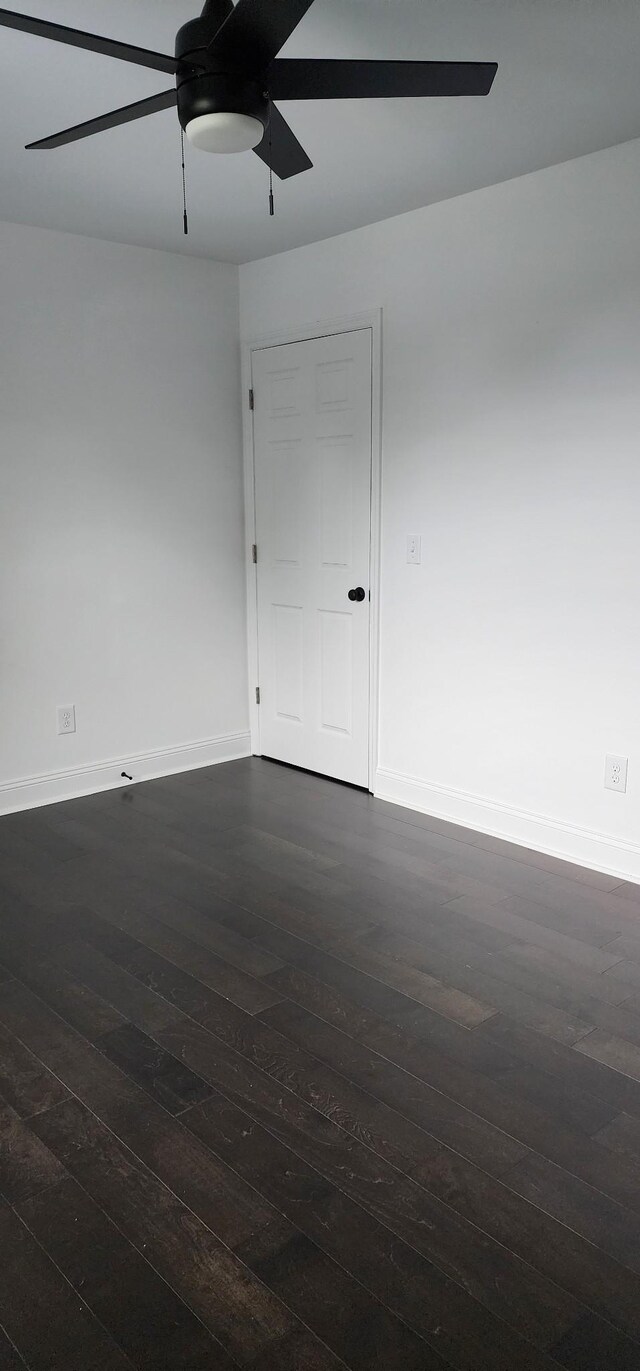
[[292, 1079]]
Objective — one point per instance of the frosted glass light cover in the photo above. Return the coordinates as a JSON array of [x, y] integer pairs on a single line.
[[224, 132]]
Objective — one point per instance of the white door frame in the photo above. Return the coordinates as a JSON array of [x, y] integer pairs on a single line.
[[371, 319]]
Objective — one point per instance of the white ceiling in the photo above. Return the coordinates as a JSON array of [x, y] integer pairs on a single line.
[[568, 84]]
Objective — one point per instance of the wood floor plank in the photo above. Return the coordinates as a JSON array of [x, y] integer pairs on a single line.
[[25, 1083], [626, 945], [14, 846], [559, 1060], [43, 1316], [165, 1078], [209, 931], [353, 1324], [34, 827], [588, 926], [450, 1122], [619, 1019], [238, 1311], [137, 1004], [552, 1248], [78, 1064], [533, 998], [297, 1352], [174, 989], [473, 1050], [604, 1002], [629, 890], [536, 1129], [274, 852], [567, 1102], [416, 984], [444, 1313], [366, 991], [325, 1001], [626, 972], [81, 1007], [608, 1225], [168, 1149], [564, 971], [397, 1202], [555, 866], [532, 1126], [618, 1053], [566, 898], [187, 878], [227, 944], [594, 1346], [583, 941], [569, 1148], [295, 905], [378, 879], [445, 1119], [197, 1000], [622, 1134], [10, 1359], [395, 1007], [447, 928], [373, 1316], [246, 991], [403, 1120], [26, 1165], [140, 1311]]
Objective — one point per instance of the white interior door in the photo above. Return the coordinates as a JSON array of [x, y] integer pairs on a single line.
[[312, 452]]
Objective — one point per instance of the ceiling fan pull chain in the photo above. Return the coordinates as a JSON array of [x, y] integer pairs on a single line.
[[185, 221], [271, 205]]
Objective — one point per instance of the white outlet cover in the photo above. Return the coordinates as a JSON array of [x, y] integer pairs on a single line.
[[615, 773], [66, 716], [414, 549]]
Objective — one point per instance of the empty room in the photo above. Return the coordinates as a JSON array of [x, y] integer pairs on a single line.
[[320, 685]]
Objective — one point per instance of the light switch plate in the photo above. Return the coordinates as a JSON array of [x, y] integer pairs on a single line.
[[414, 548]]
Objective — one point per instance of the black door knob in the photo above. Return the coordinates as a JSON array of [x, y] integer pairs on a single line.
[[357, 594]]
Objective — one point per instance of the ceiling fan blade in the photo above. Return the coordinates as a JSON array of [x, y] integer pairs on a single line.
[[311, 78], [254, 34], [125, 115], [280, 148], [76, 38]]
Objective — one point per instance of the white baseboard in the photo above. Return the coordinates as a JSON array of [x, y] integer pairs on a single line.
[[599, 851], [31, 791]]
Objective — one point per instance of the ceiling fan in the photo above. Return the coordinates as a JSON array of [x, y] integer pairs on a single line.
[[229, 73]]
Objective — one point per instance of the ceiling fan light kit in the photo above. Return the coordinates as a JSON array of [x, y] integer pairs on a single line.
[[228, 73], [224, 132]]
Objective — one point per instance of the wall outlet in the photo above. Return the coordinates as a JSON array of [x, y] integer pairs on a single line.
[[414, 548], [615, 773], [67, 719]]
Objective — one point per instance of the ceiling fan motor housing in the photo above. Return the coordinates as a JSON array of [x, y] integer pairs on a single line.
[[210, 88]]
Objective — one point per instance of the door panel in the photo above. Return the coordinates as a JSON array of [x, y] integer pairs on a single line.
[[312, 449]]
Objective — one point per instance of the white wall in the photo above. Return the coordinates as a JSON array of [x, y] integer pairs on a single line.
[[121, 556], [510, 659]]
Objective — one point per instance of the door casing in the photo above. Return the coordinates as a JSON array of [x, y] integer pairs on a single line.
[[322, 329]]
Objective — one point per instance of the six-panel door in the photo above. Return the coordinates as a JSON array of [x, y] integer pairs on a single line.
[[312, 448]]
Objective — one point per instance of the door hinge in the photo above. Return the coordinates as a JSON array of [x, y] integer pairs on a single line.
[[257, 695], [254, 552], [251, 398]]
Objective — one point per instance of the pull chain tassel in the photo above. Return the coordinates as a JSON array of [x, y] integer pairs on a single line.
[[271, 204], [185, 221]]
